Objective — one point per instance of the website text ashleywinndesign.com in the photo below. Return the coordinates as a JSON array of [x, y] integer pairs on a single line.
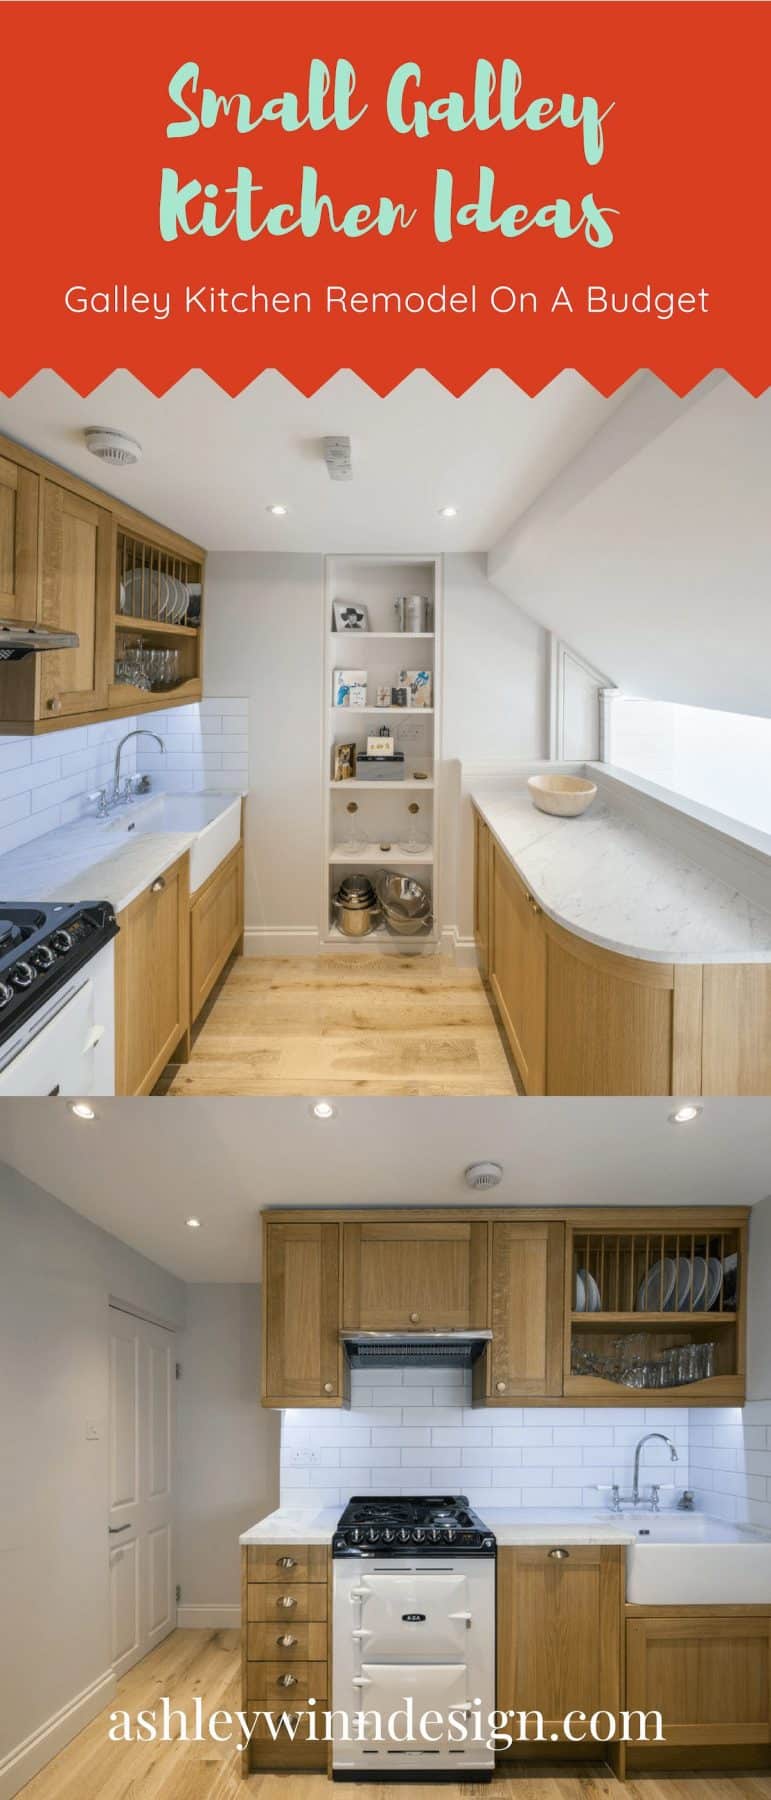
[[497, 1730]]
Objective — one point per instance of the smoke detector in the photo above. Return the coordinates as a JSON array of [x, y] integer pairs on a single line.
[[483, 1175], [337, 456], [113, 447]]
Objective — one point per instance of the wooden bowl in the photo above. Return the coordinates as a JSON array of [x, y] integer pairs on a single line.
[[564, 795]]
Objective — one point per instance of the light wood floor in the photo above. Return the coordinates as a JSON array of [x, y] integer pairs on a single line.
[[208, 1663], [356, 1024]]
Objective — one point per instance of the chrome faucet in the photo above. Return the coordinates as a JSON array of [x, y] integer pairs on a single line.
[[673, 1457], [124, 740]]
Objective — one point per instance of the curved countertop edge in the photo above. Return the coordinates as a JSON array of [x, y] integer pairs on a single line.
[[295, 1526], [119, 877], [619, 947]]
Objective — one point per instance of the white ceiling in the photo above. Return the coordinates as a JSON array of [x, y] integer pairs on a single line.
[[139, 1170], [212, 464]]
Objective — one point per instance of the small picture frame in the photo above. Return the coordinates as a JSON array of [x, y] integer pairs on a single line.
[[350, 687], [380, 746], [349, 616], [383, 696], [419, 686], [344, 768]]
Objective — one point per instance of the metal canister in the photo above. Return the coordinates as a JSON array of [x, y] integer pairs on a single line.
[[417, 612]]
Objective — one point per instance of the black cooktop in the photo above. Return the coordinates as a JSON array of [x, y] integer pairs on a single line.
[[400, 1525], [41, 947]]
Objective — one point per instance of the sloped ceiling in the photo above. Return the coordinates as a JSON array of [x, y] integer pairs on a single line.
[[650, 554]]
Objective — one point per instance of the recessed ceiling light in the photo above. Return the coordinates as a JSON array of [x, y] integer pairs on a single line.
[[323, 1110], [448, 512], [685, 1115], [279, 512], [82, 1110], [194, 1224]]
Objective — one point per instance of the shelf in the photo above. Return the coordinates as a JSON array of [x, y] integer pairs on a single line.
[[398, 712], [600, 1321], [403, 636], [377, 787], [156, 627], [372, 854], [380, 937]]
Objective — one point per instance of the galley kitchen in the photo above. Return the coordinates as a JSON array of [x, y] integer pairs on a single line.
[[471, 1453], [403, 746]]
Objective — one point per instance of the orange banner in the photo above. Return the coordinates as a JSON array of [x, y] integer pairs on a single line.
[[382, 187]]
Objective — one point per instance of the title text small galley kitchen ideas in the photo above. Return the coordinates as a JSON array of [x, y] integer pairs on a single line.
[[496, 102]]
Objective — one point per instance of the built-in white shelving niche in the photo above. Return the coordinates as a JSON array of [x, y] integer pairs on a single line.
[[362, 816]]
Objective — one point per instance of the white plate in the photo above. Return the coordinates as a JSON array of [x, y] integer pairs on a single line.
[[580, 1294], [699, 1283], [152, 591], [592, 1297], [684, 1279], [650, 1297], [714, 1280]]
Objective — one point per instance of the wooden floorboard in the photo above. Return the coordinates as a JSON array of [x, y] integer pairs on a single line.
[[207, 1663], [350, 1024]]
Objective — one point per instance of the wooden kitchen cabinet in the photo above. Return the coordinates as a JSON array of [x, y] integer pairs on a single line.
[[526, 1312], [736, 1054], [707, 1670], [216, 926], [483, 857], [518, 971], [19, 495], [303, 1361], [152, 980], [616, 1025], [560, 1630], [284, 1656], [76, 589], [409, 1276]]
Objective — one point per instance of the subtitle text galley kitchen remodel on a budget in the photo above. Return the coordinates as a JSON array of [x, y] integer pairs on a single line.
[[404, 746]]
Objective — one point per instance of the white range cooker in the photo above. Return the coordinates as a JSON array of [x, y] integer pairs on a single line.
[[57, 1004], [413, 1636]]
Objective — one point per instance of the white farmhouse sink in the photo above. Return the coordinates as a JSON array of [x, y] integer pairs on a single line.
[[215, 819], [689, 1560]]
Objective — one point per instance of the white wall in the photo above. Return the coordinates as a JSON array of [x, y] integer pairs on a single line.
[[57, 1272], [227, 1448], [649, 553], [414, 1431]]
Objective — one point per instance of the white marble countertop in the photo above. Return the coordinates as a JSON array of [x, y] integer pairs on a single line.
[[82, 861], [296, 1525], [619, 886]]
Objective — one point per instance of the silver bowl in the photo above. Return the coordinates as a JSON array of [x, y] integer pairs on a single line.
[[402, 897]]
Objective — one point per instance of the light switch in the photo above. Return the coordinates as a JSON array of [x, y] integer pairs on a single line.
[[92, 1431]]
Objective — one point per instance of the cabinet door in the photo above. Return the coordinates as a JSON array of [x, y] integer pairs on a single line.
[[610, 1020], [77, 594], [737, 1029], [482, 891], [18, 541], [302, 1355], [708, 1675], [421, 1275], [559, 1623], [152, 1001], [527, 1302], [216, 925], [518, 972]]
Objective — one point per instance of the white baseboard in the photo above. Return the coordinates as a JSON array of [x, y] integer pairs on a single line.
[[278, 940], [463, 950], [19, 1766], [208, 1618]]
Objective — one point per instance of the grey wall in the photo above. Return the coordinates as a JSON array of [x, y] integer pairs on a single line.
[[227, 1444], [57, 1273]]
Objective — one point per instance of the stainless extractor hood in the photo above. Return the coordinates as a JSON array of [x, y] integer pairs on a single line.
[[414, 1349], [18, 639]]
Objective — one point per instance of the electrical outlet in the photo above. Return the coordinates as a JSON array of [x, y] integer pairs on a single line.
[[305, 1457], [410, 731]]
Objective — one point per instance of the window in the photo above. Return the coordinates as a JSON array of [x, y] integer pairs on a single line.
[[719, 759]]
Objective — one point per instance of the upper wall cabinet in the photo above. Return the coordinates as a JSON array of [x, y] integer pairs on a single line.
[[402, 1276], [303, 1362], [526, 1304], [19, 490], [73, 559]]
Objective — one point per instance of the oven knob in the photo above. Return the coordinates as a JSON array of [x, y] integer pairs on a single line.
[[6, 993], [434, 1535], [449, 1534], [22, 974], [388, 1535], [43, 957], [354, 1535], [61, 941], [488, 1543], [418, 1534], [372, 1534], [404, 1534]]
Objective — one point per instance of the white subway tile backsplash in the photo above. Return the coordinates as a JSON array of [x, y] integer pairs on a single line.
[[731, 1462]]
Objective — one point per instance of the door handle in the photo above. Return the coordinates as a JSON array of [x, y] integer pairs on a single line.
[[115, 1529], [464, 1616], [286, 1642], [287, 1600], [287, 1681], [94, 1037], [158, 886], [559, 1555], [287, 1562]]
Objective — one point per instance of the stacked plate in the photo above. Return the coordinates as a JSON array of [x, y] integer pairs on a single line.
[[681, 1284]]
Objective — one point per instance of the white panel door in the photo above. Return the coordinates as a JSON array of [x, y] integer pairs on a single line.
[[141, 1498]]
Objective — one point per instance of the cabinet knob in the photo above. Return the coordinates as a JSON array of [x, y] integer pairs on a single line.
[[287, 1562], [414, 1318], [54, 704], [287, 1600], [287, 1681], [329, 1387], [159, 885], [286, 1641], [559, 1555], [500, 1387]]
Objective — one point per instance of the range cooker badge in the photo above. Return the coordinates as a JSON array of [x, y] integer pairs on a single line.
[[413, 1618]]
